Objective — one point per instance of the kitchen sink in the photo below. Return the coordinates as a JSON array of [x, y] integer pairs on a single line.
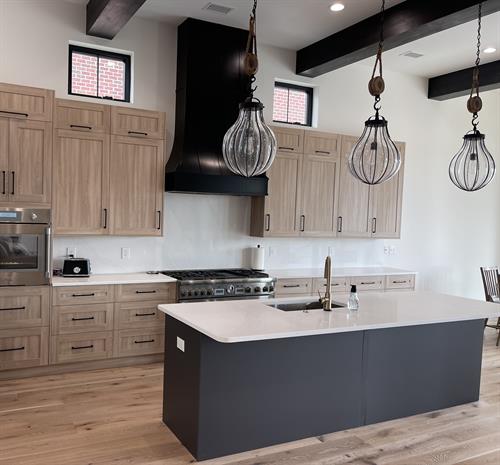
[[301, 306]]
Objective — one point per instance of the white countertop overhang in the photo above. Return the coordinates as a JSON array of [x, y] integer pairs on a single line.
[[111, 279], [254, 320]]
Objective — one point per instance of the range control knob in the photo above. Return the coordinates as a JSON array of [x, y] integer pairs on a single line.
[[265, 289], [202, 292], [230, 289], [190, 294], [195, 293], [183, 293], [257, 289], [248, 289], [209, 291]]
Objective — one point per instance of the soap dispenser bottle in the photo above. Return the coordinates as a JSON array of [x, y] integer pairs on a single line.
[[353, 302]]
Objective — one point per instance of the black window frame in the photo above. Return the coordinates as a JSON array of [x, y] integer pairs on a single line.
[[127, 59], [309, 110]]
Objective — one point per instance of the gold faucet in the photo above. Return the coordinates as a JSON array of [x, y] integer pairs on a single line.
[[326, 301]]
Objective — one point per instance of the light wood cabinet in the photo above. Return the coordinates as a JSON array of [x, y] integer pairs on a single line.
[[81, 318], [133, 315], [81, 347], [398, 282], [293, 287], [338, 285], [368, 283], [25, 102], [4, 159], [136, 186], [138, 342], [82, 116], [143, 292], [81, 183], [72, 295], [321, 143], [289, 139], [137, 123], [24, 307], [23, 348]]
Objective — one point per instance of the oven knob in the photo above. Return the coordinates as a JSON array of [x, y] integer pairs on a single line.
[[183, 293], [189, 294], [265, 289], [195, 293], [230, 289], [271, 289], [209, 292], [257, 289], [202, 292], [248, 289]]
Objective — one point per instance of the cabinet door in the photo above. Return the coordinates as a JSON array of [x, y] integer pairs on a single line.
[[82, 116], [385, 204], [30, 157], [81, 183], [138, 123], [136, 186], [352, 217], [281, 202], [289, 139], [321, 143], [26, 102], [318, 196], [4, 158]]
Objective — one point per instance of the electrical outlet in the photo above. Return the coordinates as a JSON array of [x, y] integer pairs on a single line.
[[392, 250], [181, 344], [71, 251], [125, 253], [386, 249]]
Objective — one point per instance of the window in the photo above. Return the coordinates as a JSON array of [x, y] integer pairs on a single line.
[[292, 104], [99, 73]]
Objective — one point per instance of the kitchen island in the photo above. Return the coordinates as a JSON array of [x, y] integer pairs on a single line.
[[241, 375]]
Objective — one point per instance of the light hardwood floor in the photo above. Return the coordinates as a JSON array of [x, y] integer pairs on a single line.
[[114, 417]]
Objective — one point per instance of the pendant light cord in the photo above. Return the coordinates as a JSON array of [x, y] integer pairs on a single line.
[[376, 85], [251, 63], [475, 73]]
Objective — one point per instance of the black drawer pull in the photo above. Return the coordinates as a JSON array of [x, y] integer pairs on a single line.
[[286, 148], [291, 285], [138, 133], [371, 282], [12, 350], [12, 308], [83, 295], [80, 126], [145, 292], [4, 174], [83, 319], [399, 282], [144, 342], [333, 284], [322, 151], [16, 113], [91, 346], [13, 182], [145, 314]]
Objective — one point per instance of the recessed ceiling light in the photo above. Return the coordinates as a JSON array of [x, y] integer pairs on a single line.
[[490, 50], [337, 6]]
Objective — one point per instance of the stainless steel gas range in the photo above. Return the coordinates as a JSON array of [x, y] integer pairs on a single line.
[[205, 285]]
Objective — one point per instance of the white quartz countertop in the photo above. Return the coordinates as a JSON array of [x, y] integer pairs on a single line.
[[253, 320], [338, 272], [107, 279]]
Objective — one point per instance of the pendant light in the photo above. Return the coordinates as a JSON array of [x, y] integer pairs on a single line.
[[473, 167], [375, 158], [249, 146]]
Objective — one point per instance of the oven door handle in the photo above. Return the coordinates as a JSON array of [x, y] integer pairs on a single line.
[[48, 252]]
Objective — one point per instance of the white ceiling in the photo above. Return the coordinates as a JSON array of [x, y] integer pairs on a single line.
[[293, 24]]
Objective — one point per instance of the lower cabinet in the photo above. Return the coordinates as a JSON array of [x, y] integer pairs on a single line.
[[81, 347], [143, 341], [23, 348]]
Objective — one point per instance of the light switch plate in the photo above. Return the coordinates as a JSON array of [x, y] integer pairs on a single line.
[[181, 344], [125, 253]]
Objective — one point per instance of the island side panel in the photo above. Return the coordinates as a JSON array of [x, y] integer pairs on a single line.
[[255, 394], [418, 369], [181, 383]]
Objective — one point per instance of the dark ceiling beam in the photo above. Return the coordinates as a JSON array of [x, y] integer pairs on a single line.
[[105, 18], [406, 22], [458, 83]]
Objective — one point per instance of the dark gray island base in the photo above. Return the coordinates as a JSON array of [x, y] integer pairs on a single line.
[[224, 398]]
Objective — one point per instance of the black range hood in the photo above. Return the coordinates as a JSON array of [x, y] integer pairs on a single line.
[[210, 85]]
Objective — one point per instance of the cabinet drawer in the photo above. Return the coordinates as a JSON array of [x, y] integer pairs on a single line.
[[321, 143], [289, 139], [82, 116], [22, 348], [24, 307], [138, 342], [137, 123], [79, 347], [82, 318], [291, 286], [130, 315], [70, 295], [338, 285], [26, 102], [368, 283], [141, 292], [406, 281]]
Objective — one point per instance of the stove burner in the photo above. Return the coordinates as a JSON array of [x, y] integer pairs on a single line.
[[194, 275]]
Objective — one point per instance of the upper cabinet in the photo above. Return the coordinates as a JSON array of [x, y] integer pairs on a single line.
[[82, 116], [137, 123], [313, 194], [25, 102]]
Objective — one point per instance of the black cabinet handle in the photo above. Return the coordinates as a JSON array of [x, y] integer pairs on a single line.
[[371, 282], [144, 342], [12, 350], [145, 314], [286, 148], [291, 285], [83, 319], [78, 126], [91, 346], [159, 219], [399, 282], [322, 151], [4, 173], [12, 308], [137, 133], [145, 292], [105, 223], [268, 222], [14, 113], [302, 223], [13, 182], [83, 295], [339, 224], [374, 225]]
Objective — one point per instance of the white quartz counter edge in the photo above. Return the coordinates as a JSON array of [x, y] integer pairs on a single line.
[[253, 320], [110, 279], [338, 272]]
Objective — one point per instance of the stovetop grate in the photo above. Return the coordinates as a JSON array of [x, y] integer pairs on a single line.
[[237, 273]]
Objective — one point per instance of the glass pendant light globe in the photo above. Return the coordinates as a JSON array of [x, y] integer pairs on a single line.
[[249, 146], [375, 158], [472, 167]]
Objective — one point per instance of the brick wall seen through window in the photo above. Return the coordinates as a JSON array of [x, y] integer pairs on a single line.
[[100, 74], [292, 104]]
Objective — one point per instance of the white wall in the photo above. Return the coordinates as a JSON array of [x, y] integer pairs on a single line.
[[446, 234]]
